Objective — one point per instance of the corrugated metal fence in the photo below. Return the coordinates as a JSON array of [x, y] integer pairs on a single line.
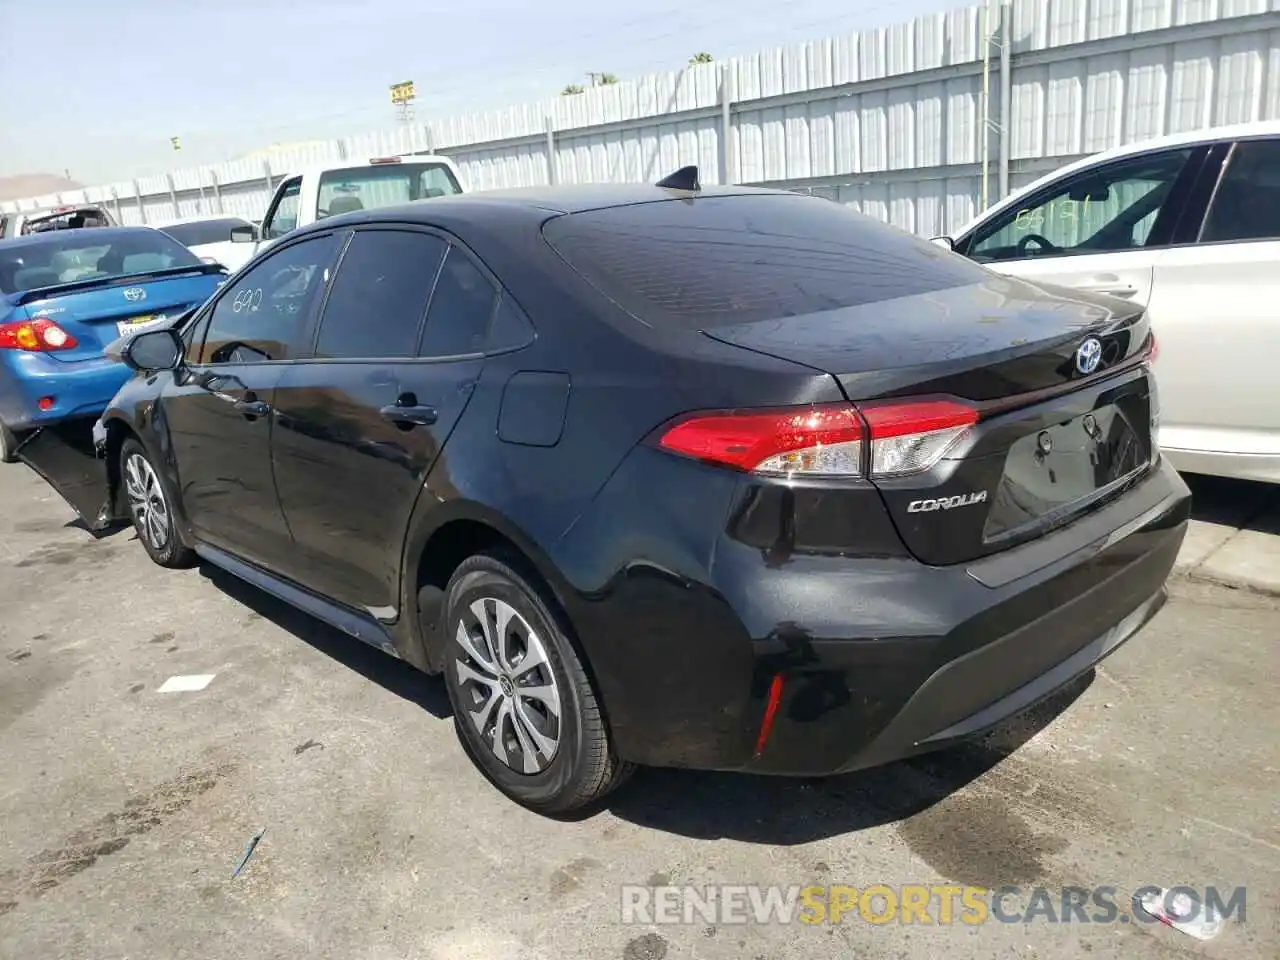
[[890, 121]]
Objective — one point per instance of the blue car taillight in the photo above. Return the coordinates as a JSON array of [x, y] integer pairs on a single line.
[[40, 335]]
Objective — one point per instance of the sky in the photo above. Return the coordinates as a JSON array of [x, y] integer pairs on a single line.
[[97, 87]]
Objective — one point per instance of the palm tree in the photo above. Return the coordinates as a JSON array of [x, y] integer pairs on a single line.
[[701, 58]]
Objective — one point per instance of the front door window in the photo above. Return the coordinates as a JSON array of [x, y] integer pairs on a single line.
[[1102, 210]]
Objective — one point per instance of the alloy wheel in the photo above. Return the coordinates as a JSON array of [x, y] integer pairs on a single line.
[[512, 696], [146, 501]]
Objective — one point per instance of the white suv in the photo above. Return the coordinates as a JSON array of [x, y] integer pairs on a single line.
[[1190, 226]]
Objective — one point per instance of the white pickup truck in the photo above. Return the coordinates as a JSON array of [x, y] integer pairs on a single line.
[[326, 191]]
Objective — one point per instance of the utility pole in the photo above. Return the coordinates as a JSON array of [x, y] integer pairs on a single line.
[[990, 125]]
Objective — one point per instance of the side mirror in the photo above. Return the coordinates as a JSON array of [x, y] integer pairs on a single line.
[[244, 234], [153, 350], [943, 242]]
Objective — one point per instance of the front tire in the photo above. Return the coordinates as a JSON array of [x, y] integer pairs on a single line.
[[524, 708], [151, 507]]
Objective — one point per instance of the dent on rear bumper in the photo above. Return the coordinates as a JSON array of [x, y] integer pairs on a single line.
[[882, 658]]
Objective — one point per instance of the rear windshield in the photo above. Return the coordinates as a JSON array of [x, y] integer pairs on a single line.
[[66, 220], [72, 255], [204, 231], [385, 185], [722, 260]]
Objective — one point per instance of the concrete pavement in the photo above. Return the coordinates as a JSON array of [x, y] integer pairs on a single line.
[[1234, 538], [125, 810]]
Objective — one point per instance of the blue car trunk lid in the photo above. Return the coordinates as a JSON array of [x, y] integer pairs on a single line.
[[97, 315]]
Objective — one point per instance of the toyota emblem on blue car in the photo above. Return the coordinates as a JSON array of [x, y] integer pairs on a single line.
[[134, 294], [1089, 355]]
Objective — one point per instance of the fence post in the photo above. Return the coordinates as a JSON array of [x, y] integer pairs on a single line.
[[552, 174], [137, 195], [430, 140], [1006, 94], [726, 125], [217, 193], [115, 203], [173, 194], [266, 173], [342, 148]]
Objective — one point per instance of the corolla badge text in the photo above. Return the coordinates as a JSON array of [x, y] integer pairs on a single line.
[[947, 503]]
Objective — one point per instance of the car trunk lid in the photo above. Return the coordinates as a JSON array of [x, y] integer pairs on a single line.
[[1065, 403], [96, 313]]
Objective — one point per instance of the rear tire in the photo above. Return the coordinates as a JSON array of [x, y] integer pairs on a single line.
[[151, 507], [524, 708], [8, 445]]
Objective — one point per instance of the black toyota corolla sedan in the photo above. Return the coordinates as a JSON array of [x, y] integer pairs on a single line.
[[716, 478]]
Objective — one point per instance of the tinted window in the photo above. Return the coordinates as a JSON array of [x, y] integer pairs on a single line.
[[1096, 211], [260, 317], [65, 256], [509, 329], [204, 231], [383, 185], [285, 216], [721, 260], [461, 308], [380, 294], [1246, 205], [193, 338]]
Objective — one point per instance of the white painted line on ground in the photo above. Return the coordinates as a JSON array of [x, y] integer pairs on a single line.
[[187, 684]]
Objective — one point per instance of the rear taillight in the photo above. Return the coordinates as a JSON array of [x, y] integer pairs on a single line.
[[825, 440], [911, 437], [818, 441], [40, 335], [1153, 349]]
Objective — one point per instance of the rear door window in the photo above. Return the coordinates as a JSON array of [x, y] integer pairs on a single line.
[[379, 297], [1246, 205], [461, 310], [723, 260]]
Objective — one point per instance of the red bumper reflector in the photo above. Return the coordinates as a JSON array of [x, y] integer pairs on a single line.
[[45, 403], [770, 712]]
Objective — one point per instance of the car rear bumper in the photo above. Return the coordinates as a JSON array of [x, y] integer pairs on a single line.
[[879, 659], [74, 388]]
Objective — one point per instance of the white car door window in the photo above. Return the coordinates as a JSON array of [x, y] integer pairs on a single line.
[[1106, 209], [1213, 308], [1246, 205]]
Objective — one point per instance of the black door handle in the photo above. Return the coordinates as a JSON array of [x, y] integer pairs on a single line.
[[252, 408], [415, 416]]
